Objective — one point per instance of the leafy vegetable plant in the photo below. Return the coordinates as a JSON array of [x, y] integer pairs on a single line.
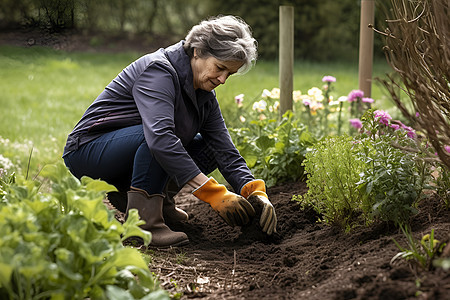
[[65, 244]]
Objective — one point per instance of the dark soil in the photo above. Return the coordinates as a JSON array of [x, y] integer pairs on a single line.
[[306, 260]]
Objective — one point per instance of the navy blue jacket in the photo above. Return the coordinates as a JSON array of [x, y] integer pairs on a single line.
[[157, 91]]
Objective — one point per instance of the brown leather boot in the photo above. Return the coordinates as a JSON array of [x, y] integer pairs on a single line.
[[172, 214], [150, 210]]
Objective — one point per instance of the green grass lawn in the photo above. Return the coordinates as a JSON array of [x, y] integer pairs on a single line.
[[45, 92]]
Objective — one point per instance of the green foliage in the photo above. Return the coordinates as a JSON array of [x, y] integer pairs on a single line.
[[274, 150], [422, 253], [66, 244], [391, 179], [333, 171], [367, 177]]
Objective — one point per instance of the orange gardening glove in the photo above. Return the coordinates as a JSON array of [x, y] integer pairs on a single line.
[[255, 192], [234, 209]]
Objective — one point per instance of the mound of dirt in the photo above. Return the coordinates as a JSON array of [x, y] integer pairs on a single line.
[[305, 260]]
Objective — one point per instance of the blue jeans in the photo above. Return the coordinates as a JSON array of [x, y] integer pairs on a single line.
[[123, 159]]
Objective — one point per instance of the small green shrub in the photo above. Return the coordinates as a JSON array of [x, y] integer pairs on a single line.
[[66, 244], [333, 172]]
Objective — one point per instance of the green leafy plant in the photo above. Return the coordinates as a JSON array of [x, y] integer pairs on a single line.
[[421, 253], [274, 150], [333, 171], [64, 243], [369, 176], [392, 179]]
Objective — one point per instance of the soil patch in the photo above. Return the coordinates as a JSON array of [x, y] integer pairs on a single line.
[[305, 260]]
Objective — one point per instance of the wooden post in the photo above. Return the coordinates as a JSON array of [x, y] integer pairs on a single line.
[[286, 67], [366, 47]]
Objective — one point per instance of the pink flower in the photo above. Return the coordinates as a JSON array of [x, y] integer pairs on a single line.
[[367, 100], [417, 114], [355, 95], [383, 117], [407, 128], [394, 126], [328, 79], [356, 123], [447, 148], [411, 134]]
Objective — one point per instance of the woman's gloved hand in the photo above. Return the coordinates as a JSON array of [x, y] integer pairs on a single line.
[[255, 192], [233, 208]]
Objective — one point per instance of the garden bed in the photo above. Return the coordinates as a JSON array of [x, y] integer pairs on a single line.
[[306, 260]]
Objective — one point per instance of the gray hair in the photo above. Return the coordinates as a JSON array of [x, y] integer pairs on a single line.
[[226, 38]]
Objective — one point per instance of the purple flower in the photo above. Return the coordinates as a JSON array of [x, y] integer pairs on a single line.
[[417, 114], [407, 128], [328, 79], [395, 126], [306, 102], [411, 134], [355, 95], [356, 123], [367, 100], [447, 148], [383, 117]]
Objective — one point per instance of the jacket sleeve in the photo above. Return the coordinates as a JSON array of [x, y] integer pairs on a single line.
[[230, 162], [155, 92]]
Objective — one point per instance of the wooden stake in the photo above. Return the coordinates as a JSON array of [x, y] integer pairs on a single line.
[[286, 67], [366, 47]]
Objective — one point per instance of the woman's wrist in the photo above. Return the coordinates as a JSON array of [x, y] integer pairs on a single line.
[[198, 180]]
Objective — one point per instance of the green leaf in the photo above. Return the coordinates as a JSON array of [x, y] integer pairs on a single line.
[[5, 274], [96, 185], [131, 227], [129, 257]]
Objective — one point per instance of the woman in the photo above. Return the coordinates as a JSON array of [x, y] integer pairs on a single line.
[[159, 119]]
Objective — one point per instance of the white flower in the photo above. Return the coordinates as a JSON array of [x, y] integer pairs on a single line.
[[296, 95], [266, 94], [5, 163], [316, 93], [275, 93], [260, 106]]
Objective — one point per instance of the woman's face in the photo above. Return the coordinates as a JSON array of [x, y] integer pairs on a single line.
[[210, 72]]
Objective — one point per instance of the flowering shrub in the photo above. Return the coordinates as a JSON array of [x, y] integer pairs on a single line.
[[366, 177], [317, 108], [392, 179]]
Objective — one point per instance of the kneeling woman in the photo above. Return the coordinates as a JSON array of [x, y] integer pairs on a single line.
[[159, 120]]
